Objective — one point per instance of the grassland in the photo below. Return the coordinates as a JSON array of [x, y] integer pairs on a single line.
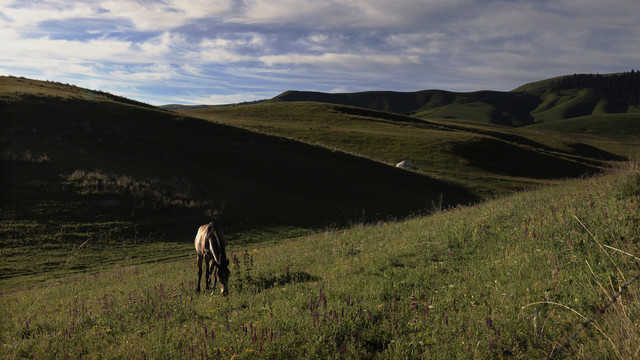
[[510, 278], [335, 253], [132, 183], [617, 126], [489, 160]]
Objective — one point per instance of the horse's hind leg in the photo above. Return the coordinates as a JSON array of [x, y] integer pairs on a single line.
[[199, 271]]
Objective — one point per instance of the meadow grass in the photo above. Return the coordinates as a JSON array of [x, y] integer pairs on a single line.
[[458, 152], [509, 278], [607, 125]]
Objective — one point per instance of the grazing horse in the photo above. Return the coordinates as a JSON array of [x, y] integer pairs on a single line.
[[210, 243]]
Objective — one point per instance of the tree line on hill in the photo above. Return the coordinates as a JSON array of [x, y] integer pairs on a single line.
[[621, 88]]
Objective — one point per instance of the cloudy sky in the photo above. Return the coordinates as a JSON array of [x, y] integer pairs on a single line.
[[228, 51]]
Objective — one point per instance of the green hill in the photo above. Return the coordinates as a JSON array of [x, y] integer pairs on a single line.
[[18, 88], [549, 100], [489, 160], [486, 106]]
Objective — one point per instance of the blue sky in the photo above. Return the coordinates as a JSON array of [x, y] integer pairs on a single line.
[[228, 51]]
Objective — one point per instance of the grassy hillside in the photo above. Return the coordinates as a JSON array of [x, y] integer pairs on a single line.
[[556, 99], [616, 126], [511, 278], [486, 159], [132, 183], [101, 197], [15, 88], [495, 107]]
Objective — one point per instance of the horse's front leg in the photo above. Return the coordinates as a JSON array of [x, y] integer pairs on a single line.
[[199, 271], [207, 273]]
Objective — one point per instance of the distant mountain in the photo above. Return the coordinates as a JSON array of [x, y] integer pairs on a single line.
[[505, 108], [553, 99], [182, 107]]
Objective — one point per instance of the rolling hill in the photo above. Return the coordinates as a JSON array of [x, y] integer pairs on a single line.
[[489, 160], [551, 100], [131, 181], [495, 107]]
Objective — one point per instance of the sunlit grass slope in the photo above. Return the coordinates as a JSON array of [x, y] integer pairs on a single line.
[[625, 127], [510, 278], [487, 159], [15, 88]]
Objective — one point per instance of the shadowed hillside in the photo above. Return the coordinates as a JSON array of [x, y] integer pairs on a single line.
[[502, 108], [119, 174], [251, 174]]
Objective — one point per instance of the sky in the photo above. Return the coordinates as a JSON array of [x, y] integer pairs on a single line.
[[231, 51]]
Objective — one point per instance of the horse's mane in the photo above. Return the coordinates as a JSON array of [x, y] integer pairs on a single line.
[[221, 242]]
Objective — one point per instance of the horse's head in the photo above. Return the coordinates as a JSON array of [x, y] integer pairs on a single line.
[[222, 274]]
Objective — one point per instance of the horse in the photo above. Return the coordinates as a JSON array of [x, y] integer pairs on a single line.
[[210, 246]]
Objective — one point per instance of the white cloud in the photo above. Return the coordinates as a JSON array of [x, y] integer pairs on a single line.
[[259, 46], [27, 14], [222, 99], [333, 61], [216, 51]]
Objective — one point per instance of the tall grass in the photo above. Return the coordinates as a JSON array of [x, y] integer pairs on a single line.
[[26, 156], [147, 193], [510, 278]]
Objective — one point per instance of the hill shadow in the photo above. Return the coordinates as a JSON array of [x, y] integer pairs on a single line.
[[173, 173], [593, 152], [502, 158]]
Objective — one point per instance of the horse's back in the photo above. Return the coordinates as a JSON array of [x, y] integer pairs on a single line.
[[201, 236]]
